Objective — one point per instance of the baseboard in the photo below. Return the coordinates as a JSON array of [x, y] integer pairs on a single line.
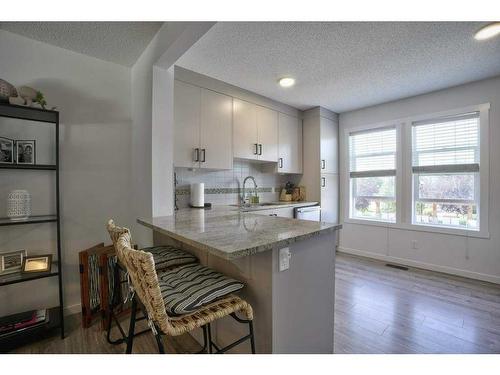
[[73, 309], [426, 266]]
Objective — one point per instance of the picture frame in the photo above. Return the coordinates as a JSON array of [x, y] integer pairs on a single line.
[[37, 264], [6, 150], [25, 151], [12, 261]]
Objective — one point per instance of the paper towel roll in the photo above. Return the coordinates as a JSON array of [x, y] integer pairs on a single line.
[[198, 195]]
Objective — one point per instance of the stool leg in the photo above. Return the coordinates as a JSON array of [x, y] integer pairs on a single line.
[[205, 341], [131, 329], [209, 330], [252, 339], [159, 342]]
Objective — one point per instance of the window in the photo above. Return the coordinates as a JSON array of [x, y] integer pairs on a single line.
[[372, 170], [445, 171]]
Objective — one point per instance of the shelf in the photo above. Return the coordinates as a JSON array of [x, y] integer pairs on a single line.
[[31, 220], [15, 339], [17, 277], [48, 167], [28, 113]]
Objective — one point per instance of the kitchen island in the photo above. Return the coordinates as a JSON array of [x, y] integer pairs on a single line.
[[293, 307]]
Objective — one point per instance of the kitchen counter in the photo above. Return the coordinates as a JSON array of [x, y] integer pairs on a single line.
[[287, 266], [229, 233]]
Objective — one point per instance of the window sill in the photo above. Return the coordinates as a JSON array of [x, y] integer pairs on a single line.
[[420, 228]]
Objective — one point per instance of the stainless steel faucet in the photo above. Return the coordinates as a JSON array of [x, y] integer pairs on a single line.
[[243, 195]]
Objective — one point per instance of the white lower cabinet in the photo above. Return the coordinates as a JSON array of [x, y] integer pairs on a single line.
[[279, 212]]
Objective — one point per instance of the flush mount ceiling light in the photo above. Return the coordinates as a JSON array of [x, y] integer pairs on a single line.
[[488, 31], [286, 82]]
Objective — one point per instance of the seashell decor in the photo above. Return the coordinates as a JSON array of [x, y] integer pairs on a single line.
[[6, 91]]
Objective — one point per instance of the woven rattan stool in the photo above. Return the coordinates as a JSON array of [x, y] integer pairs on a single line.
[[147, 294], [166, 258]]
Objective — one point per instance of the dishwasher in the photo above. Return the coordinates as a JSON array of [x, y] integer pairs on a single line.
[[312, 213]]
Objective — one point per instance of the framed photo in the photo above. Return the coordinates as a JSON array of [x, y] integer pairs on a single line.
[[37, 263], [6, 151], [11, 261], [25, 151]]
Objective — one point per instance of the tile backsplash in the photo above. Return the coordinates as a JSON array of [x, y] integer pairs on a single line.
[[223, 187]]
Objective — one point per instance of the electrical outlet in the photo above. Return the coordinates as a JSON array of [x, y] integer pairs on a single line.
[[414, 244], [285, 256]]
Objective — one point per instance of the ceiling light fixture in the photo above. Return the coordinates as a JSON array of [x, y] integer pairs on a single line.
[[488, 31], [286, 82]]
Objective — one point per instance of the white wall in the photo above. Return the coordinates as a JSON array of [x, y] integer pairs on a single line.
[[93, 97], [472, 257], [152, 118]]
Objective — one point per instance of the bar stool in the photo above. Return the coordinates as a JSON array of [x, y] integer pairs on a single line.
[[159, 292], [165, 258]]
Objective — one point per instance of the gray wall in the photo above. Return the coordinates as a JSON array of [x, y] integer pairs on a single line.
[[93, 98], [472, 257]]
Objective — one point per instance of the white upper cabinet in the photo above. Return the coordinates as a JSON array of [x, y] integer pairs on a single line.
[[289, 144], [267, 134], [187, 119], [216, 130], [329, 145], [203, 128], [255, 131], [245, 142]]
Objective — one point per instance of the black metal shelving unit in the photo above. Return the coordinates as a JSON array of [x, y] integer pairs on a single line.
[[56, 316]]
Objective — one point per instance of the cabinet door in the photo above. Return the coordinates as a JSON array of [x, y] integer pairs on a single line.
[[329, 198], [329, 146], [244, 129], [267, 134], [270, 212], [289, 144], [216, 130], [285, 212], [187, 117]]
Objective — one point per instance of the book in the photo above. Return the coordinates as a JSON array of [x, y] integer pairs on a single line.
[[20, 322]]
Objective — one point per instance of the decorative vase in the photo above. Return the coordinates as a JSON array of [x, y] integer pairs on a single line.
[[19, 205], [6, 91]]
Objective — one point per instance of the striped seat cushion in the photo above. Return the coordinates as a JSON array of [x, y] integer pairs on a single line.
[[168, 256], [189, 287]]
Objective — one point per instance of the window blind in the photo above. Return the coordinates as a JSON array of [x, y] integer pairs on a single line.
[[373, 153], [446, 145]]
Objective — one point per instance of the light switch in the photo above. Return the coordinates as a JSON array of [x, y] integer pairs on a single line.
[[285, 256]]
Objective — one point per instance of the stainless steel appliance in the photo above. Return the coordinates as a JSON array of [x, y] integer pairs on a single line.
[[312, 213]]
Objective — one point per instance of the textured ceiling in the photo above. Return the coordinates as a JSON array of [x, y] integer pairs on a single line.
[[344, 66], [118, 42]]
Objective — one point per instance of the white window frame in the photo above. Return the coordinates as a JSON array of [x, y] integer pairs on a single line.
[[347, 180], [404, 180]]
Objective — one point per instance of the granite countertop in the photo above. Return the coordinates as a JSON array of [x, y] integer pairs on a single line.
[[229, 233]]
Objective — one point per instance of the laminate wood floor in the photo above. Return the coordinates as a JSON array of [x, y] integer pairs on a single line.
[[378, 310], [385, 310]]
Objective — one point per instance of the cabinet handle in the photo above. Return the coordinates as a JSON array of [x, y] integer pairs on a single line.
[[280, 163], [273, 214], [260, 149], [323, 164], [204, 153], [256, 152], [196, 154], [323, 182]]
